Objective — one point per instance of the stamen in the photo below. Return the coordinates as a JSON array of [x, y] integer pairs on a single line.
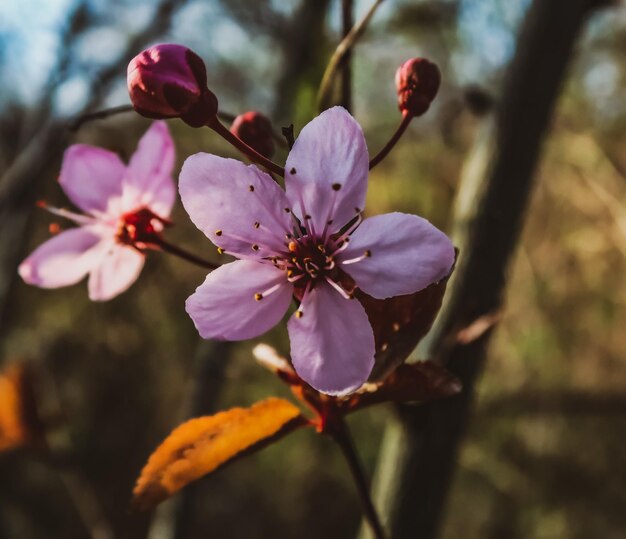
[[308, 222], [218, 232], [300, 311], [76, 217], [251, 188], [338, 288], [341, 246], [267, 245], [331, 211], [296, 278], [260, 295], [365, 255]]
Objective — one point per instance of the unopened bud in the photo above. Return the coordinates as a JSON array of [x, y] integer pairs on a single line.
[[256, 131], [417, 83], [169, 81]]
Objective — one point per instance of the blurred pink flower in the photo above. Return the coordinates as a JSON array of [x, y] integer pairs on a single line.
[[121, 205], [309, 242]]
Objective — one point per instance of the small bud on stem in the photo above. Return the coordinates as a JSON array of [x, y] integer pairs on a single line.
[[417, 84], [255, 130], [170, 81]]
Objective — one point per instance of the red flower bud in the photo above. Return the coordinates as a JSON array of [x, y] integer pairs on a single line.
[[417, 83], [256, 131], [169, 81]]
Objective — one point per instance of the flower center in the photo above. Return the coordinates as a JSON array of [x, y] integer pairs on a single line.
[[140, 226]]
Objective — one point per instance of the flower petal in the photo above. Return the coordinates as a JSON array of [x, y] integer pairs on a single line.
[[64, 259], [148, 179], [407, 254], [332, 344], [119, 268], [91, 177], [235, 205], [326, 171], [224, 306]]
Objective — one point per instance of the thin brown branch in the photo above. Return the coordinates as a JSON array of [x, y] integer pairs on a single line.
[[251, 153], [77, 123], [344, 48], [341, 436], [184, 254], [406, 120], [347, 21]]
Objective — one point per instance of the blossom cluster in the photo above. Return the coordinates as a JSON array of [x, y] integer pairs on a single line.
[[307, 245]]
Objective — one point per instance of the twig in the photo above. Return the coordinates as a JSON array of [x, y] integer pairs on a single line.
[[323, 95], [347, 20], [255, 156], [406, 120], [185, 255], [77, 123], [341, 436]]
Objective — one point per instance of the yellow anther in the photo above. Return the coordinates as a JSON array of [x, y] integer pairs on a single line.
[[258, 296], [218, 232], [220, 250], [299, 314], [257, 224], [292, 246]]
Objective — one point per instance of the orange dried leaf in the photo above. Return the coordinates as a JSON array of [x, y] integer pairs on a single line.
[[202, 445], [15, 408]]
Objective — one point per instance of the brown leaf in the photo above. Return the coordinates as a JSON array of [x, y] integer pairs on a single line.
[[19, 426], [410, 382], [202, 445], [400, 323]]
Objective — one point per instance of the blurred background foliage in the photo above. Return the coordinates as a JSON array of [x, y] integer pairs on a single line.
[[544, 456]]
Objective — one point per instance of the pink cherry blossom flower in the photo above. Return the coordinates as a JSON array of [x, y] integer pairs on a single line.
[[309, 242], [121, 204]]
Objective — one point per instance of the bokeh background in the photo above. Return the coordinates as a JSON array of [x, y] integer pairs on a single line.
[[544, 454]]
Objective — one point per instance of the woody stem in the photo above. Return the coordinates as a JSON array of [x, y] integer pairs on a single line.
[[341, 436], [255, 156], [182, 253], [406, 120]]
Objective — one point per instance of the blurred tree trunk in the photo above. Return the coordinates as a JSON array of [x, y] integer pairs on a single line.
[[304, 57], [419, 452]]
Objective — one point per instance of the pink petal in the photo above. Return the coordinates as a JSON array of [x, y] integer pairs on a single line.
[[119, 268], [407, 254], [330, 153], [235, 205], [332, 344], [91, 177], [63, 260], [224, 306], [148, 180]]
